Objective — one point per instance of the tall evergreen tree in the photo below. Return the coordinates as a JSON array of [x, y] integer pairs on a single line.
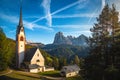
[[103, 48]]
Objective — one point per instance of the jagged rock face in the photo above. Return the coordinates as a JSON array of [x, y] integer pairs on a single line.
[[61, 39]]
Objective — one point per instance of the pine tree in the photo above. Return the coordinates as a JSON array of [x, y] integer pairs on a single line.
[[103, 54], [77, 60], [4, 51], [55, 62]]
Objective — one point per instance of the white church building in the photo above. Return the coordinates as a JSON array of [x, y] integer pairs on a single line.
[[32, 57]]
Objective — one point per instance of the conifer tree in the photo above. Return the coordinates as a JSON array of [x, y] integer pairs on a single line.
[[77, 60], [104, 52]]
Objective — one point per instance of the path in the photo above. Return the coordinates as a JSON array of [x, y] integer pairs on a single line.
[[35, 75], [10, 71]]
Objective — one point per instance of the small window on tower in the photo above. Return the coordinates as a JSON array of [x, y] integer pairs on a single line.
[[38, 55], [22, 30], [21, 38]]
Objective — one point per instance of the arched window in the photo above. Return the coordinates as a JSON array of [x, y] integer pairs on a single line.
[[21, 38], [37, 60]]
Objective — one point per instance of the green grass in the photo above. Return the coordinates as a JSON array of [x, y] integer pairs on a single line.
[[19, 76], [2, 72], [50, 73], [75, 78]]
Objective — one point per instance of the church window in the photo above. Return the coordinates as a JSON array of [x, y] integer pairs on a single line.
[[38, 60], [22, 30], [38, 55], [21, 38]]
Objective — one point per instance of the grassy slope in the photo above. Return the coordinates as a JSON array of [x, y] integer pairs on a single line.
[[75, 78], [51, 73], [19, 75], [57, 75], [15, 75]]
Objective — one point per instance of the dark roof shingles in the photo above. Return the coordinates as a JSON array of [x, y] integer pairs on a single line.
[[30, 53]]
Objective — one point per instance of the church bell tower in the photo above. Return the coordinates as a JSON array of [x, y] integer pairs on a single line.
[[20, 41]]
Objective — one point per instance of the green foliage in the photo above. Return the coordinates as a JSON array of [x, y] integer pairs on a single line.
[[55, 62], [4, 51], [66, 50], [75, 78], [48, 58], [50, 73], [77, 60], [104, 58]]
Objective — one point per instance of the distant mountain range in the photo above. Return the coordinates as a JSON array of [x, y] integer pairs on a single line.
[[66, 47], [70, 40]]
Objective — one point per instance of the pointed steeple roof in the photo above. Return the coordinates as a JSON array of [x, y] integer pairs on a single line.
[[20, 20], [20, 25]]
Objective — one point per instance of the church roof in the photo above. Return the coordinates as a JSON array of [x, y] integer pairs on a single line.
[[20, 21], [20, 25], [70, 68], [30, 53], [33, 66]]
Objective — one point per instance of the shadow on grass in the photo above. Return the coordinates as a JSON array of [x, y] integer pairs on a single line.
[[8, 78], [51, 74], [31, 76], [75, 78]]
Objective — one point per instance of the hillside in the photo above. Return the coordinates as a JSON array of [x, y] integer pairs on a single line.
[[66, 51], [67, 47]]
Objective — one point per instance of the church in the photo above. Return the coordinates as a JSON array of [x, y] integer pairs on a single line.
[[33, 58]]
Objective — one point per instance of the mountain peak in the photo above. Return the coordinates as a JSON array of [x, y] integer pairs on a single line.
[[70, 40]]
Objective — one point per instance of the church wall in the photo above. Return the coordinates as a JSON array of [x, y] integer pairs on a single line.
[[21, 47], [34, 70], [38, 58], [21, 51]]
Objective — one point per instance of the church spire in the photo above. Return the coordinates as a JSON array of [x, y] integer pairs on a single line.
[[20, 20]]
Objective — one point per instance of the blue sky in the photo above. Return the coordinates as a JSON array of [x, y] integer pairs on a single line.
[[43, 18]]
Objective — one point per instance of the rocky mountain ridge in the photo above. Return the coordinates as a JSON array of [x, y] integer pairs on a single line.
[[70, 40]]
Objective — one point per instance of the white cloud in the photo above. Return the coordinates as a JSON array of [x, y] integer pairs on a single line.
[[9, 18], [103, 4], [14, 19], [59, 10], [83, 27], [84, 3], [46, 6], [68, 6], [97, 10], [75, 15], [78, 33], [12, 31]]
